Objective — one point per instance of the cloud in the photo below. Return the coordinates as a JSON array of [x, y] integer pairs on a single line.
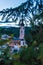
[[8, 24]]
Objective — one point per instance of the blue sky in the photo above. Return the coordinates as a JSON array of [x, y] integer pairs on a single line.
[[10, 3]]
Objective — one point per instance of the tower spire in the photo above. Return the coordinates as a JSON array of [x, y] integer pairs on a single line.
[[21, 21]]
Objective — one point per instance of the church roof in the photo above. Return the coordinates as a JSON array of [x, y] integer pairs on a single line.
[[15, 38], [21, 23]]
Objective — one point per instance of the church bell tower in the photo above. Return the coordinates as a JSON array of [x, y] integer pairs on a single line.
[[22, 30], [22, 33]]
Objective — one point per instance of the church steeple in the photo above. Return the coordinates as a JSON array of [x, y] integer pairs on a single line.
[[22, 24], [22, 28], [22, 31], [21, 21]]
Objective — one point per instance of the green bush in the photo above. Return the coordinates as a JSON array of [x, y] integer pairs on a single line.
[[29, 56]]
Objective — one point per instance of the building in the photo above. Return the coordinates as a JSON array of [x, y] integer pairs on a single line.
[[16, 43], [22, 34], [5, 36], [20, 40]]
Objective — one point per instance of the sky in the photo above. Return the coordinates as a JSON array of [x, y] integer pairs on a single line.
[[8, 4]]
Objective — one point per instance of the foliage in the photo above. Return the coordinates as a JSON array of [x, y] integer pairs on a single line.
[[16, 56], [28, 10], [18, 63], [40, 56], [2, 42], [5, 56], [30, 55]]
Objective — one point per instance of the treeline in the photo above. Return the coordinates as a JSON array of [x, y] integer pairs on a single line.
[[10, 31], [31, 34]]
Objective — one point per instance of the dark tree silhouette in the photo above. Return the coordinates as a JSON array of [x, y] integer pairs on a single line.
[[30, 9]]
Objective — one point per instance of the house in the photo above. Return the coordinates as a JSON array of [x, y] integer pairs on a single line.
[[5, 36]]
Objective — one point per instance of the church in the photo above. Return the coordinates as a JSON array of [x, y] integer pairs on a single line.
[[20, 41]]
